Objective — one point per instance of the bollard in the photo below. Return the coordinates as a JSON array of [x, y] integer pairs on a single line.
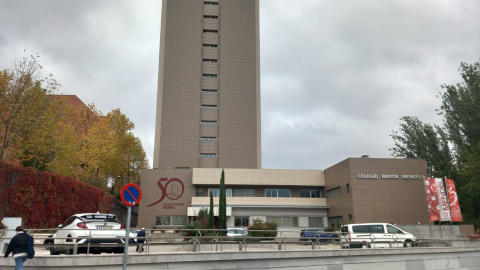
[[140, 247], [194, 246], [240, 246], [75, 248]]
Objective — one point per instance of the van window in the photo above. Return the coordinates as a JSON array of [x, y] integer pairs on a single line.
[[368, 229], [392, 229]]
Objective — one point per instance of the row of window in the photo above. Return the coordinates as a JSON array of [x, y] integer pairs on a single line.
[[209, 106], [209, 122], [209, 75], [336, 191], [208, 155], [251, 192], [209, 91], [210, 31], [210, 3], [210, 45], [210, 60], [210, 17], [242, 221], [208, 138]]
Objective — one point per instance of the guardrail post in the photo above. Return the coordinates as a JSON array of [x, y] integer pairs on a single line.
[[75, 248], [240, 246]]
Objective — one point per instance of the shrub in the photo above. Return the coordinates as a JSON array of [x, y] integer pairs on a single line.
[[43, 199], [260, 230]]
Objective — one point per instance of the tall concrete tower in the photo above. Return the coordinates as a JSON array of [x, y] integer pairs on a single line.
[[208, 103]]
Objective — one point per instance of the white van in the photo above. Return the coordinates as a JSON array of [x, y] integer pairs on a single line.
[[372, 235]]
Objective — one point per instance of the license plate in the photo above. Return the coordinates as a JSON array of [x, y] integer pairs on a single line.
[[104, 227]]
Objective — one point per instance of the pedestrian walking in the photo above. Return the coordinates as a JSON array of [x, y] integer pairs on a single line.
[[140, 240], [18, 248]]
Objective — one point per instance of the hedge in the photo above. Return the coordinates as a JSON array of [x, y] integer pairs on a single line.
[[45, 200]]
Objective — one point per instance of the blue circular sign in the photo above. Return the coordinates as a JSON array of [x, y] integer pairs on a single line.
[[131, 194]]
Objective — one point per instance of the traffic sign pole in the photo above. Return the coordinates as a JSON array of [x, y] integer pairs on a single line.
[[127, 232], [131, 195]]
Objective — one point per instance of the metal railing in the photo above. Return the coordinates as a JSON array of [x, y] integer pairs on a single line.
[[196, 240]]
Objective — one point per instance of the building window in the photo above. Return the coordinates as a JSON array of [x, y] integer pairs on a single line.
[[199, 192], [209, 122], [348, 188], [210, 60], [209, 75], [334, 192], [210, 17], [209, 106], [208, 138], [210, 31], [209, 91], [216, 192], [210, 45], [242, 221], [350, 217], [208, 155], [244, 192], [315, 222], [310, 193], [170, 220], [284, 221], [277, 192], [182, 168], [210, 3]]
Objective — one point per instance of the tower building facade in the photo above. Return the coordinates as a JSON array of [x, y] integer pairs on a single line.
[[208, 103]]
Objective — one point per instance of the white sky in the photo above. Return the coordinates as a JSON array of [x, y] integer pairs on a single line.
[[336, 76]]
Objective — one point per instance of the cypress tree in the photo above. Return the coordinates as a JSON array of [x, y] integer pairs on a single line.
[[222, 205], [210, 213]]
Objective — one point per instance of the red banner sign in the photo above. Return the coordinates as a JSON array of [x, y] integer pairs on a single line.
[[453, 199], [431, 191]]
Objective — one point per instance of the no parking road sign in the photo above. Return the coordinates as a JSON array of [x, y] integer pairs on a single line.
[[131, 194]]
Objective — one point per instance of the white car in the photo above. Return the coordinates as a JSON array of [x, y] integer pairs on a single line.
[[94, 228], [372, 235]]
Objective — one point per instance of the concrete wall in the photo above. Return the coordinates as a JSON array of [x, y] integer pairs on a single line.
[[438, 231], [392, 259]]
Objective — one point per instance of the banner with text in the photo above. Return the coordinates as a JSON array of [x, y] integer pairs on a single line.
[[455, 212], [442, 200], [431, 191]]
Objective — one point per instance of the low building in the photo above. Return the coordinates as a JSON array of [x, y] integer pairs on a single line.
[[354, 190]]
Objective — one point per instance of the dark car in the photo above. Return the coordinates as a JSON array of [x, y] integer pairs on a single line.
[[313, 234]]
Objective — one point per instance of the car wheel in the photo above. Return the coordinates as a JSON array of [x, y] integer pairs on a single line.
[[52, 251], [408, 244]]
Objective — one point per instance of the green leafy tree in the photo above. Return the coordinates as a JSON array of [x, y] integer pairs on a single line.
[[416, 140], [460, 132], [222, 205], [461, 112], [210, 213]]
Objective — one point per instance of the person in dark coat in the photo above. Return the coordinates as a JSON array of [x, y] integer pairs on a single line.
[[18, 248], [140, 240]]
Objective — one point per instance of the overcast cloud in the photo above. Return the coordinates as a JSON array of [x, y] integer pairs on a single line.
[[336, 76]]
